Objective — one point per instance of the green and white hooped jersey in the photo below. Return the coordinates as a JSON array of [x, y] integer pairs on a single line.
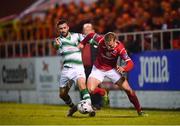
[[68, 49]]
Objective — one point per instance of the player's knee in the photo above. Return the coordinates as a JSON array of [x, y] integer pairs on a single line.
[[90, 90]]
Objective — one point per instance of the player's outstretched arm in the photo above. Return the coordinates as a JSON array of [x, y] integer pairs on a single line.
[[87, 38], [56, 43]]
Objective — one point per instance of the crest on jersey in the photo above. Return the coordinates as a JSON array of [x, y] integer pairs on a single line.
[[126, 56], [114, 51]]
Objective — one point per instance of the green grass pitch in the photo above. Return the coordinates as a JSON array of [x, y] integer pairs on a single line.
[[33, 114]]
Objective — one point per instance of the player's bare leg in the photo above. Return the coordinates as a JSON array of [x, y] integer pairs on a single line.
[[85, 93], [123, 84], [92, 84], [63, 94]]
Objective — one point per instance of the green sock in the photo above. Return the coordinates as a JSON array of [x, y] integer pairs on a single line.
[[85, 95]]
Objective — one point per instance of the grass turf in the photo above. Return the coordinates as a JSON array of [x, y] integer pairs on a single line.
[[30, 114]]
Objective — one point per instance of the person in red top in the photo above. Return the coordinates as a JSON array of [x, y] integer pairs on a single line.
[[105, 65]]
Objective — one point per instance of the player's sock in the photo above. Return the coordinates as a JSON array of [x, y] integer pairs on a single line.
[[68, 101], [134, 100], [85, 95]]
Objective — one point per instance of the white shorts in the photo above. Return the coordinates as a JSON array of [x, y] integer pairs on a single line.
[[68, 74], [112, 74]]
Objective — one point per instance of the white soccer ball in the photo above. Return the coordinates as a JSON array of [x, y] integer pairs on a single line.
[[84, 107]]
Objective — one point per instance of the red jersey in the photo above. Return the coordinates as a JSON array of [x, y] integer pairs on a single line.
[[107, 59]]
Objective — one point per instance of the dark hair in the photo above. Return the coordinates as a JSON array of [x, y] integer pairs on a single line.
[[61, 21]]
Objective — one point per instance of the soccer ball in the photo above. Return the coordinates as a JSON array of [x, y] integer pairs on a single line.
[[84, 107]]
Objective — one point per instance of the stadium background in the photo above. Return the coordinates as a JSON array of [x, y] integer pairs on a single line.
[[149, 29]]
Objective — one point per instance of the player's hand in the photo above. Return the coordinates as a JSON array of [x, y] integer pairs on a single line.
[[57, 41], [80, 46], [120, 69]]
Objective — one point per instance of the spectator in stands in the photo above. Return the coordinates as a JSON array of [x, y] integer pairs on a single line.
[[118, 16]]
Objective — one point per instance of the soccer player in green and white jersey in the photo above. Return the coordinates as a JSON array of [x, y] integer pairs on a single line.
[[73, 69]]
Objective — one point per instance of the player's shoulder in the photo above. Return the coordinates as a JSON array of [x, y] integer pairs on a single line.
[[120, 44], [99, 35], [99, 38], [120, 47], [77, 36], [75, 33]]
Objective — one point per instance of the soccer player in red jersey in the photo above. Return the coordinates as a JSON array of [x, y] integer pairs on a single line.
[[105, 65]]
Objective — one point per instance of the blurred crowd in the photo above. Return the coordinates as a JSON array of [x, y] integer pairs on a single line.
[[107, 15], [120, 16]]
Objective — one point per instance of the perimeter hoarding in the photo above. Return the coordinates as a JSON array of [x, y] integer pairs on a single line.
[[156, 70], [17, 74]]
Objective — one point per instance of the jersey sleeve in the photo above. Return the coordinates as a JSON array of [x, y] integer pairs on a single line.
[[124, 55], [92, 38]]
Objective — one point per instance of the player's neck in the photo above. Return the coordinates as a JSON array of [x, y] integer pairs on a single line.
[[67, 36]]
